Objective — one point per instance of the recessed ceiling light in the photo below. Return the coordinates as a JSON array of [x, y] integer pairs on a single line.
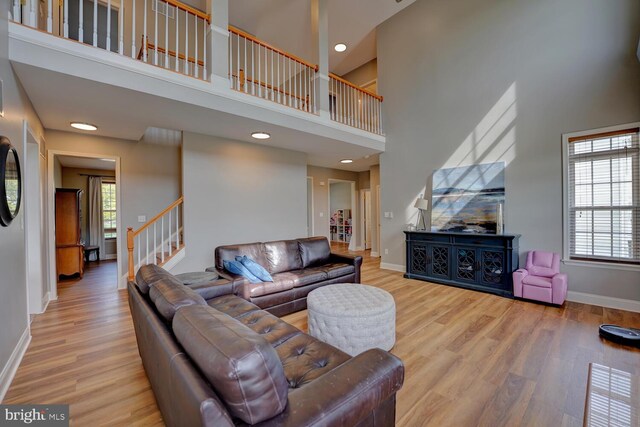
[[346, 161], [83, 126], [340, 47], [261, 135]]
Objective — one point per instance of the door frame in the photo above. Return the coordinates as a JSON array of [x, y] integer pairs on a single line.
[[363, 218], [354, 210], [312, 230], [51, 215]]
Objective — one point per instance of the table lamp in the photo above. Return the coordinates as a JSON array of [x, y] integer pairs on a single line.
[[422, 205]]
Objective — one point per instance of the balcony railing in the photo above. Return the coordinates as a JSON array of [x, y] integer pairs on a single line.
[[175, 36], [165, 33], [354, 106], [267, 72]]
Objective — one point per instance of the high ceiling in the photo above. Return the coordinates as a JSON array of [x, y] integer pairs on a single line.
[[286, 24]]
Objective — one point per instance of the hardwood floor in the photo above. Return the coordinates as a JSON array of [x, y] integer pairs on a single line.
[[470, 358]]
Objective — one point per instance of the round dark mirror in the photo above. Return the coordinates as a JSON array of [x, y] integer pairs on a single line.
[[10, 182]]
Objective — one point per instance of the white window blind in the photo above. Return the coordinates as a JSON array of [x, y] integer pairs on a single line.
[[604, 197]]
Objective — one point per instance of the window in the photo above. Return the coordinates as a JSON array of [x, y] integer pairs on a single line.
[[603, 192], [109, 209]]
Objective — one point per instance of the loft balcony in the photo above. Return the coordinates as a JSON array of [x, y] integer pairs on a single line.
[[172, 42]]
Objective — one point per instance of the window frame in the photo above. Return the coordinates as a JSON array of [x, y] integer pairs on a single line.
[[115, 211], [566, 208]]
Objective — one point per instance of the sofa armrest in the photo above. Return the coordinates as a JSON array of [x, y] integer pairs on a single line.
[[214, 289], [345, 395], [240, 284], [355, 260]]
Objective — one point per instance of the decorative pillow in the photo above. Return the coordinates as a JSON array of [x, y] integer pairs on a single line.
[[256, 269], [236, 267], [241, 365]]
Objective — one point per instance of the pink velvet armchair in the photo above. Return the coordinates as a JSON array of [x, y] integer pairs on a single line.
[[541, 280]]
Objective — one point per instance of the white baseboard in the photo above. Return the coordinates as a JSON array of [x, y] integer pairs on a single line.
[[110, 256], [395, 267], [45, 302], [604, 301], [10, 369], [375, 254], [359, 248]]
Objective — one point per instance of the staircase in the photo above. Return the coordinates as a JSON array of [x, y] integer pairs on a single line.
[[159, 241]]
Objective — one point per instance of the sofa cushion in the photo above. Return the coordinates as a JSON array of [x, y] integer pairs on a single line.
[[274, 330], [314, 251], [149, 274], [334, 270], [233, 305], [256, 269], [305, 359], [305, 276], [281, 282], [542, 282], [241, 365], [168, 297], [282, 255], [255, 251]]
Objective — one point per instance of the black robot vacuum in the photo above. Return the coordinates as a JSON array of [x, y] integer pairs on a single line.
[[620, 335]]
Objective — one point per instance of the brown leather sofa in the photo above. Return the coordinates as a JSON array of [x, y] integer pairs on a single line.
[[214, 359], [297, 267]]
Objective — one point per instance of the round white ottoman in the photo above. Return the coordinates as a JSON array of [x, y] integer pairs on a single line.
[[352, 317]]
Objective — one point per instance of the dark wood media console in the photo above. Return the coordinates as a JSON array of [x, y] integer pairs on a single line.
[[483, 262]]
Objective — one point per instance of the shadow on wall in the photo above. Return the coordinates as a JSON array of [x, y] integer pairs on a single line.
[[492, 140]]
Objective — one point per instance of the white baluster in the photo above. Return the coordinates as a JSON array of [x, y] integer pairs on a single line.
[[170, 238], [177, 64], [65, 25], [49, 15], [95, 23], [272, 80], [290, 103], [162, 238], [80, 21], [245, 63], [195, 37], [259, 73], [166, 36], [146, 257], [121, 28], [144, 34], [133, 30], [155, 244], [186, 42], [155, 38], [177, 228], [17, 17], [109, 25], [139, 244]]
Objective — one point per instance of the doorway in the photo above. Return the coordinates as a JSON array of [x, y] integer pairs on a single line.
[[342, 203], [84, 216]]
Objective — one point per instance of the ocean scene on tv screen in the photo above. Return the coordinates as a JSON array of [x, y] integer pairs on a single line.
[[465, 199]]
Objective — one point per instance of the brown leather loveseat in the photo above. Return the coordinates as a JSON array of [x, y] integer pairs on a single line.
[[297, 267], [214, 359]]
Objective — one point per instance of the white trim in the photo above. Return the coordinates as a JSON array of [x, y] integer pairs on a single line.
[[375, 254], [565, 194], [394, 267], [601, 264], [10, 369], [45, 302], [354, 210], [604, 301], [51, 190], [110, 256], [312, 232]]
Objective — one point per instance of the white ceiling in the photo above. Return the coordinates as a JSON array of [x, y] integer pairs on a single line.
[[86, 163], [286, 24]]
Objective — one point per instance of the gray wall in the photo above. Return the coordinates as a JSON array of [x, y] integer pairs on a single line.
[[472, 81], [150, 178], [237, 192], [72, 178], [13, 286]]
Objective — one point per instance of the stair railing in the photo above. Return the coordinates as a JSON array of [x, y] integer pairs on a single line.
[[157, 240]]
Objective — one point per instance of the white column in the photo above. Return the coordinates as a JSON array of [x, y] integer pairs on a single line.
[[320, 43], [219, 43]]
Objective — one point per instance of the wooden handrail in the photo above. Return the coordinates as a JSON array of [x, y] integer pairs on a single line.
[[189, 9], [151, 46], [239, 32], [348, 83], [157, 217]]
